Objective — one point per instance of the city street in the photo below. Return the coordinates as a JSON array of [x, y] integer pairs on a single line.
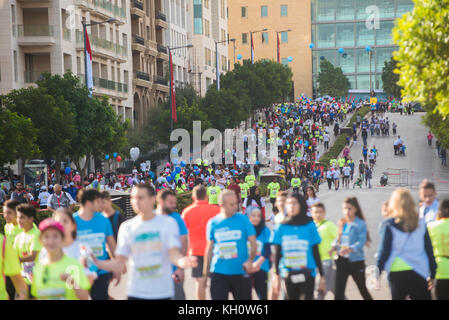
[[419, 157]]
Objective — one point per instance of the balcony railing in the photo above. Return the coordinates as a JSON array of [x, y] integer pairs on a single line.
[[108, 6], [33, 76], [160, 15], [137, 4], [35, 30], [102, 43], [160, 80], [142, 75], [106, 84], [139, 40], [162, 48]]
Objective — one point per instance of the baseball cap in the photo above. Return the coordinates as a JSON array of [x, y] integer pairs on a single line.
[[51, 223], [43, 188], [71, 184]]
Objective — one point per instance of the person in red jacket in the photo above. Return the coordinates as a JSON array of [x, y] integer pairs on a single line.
[[196, 217]]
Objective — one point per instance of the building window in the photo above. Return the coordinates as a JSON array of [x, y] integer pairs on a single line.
[[206, 28], [223, 35], [284, 37], [345, 34], [284, 10], [207, 57], [198, 16], [244, 38], [206, 4], [222, 9], [345, 10], [244, 12], [224, 63], [326, 35], [265, 37], [264, 11], [326, 10]]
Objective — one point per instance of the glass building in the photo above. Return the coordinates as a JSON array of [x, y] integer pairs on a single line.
[[353, 25]]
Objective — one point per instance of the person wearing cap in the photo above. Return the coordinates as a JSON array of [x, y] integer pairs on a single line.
[[43, 197], [72, 190], [58, 276]]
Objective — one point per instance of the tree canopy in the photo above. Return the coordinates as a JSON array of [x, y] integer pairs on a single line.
[[331, 80], [423, 55], [390, 79]]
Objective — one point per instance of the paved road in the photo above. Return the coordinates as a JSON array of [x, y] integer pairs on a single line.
[[419, 157]]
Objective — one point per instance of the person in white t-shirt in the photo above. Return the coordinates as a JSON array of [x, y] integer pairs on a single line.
[[346, 175], [336, 177], [43, 197], [151, 243]]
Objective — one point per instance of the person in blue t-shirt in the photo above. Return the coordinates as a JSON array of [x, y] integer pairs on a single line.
[[166, 204], [95, 230], [226, 254], [295, 245], [261, 264]]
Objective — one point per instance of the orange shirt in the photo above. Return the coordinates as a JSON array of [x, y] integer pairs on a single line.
[[196, 216]]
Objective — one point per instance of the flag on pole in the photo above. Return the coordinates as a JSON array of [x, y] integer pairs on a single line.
[[279, 49], [88, 55], [173, 95], [252, 49]]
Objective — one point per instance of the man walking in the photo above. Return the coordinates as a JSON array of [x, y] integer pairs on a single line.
[[60, 199]]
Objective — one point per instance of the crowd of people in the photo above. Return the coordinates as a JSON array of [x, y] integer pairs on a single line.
[[76, 255]]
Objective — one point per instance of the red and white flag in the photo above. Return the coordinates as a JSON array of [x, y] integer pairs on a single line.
[[279, 49], [88, 55], [173, 95], [252, 49]]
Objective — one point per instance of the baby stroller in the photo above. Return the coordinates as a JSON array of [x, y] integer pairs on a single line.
[[358, 183], [384, 179], [402, 150]]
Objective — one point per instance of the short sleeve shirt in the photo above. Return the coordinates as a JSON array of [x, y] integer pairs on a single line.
[[230, 237], [11, 265]]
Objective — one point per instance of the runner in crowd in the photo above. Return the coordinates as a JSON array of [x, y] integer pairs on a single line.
[[439, 232], [196, 216], [95, 231], [227, 257], [114, 216], [261, 265], [151, 243], [58, 276], [328, 233], [295, 245], [166, 205], [428, 195], [352, 237], [255, 200], [405, 250], [60, 199], [311, 198]]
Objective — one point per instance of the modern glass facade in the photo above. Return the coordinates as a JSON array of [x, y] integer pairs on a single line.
[[353, 25]]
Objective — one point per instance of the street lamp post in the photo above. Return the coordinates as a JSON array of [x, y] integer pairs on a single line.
[[278, 46], [85, 25], [217, 64], [251, 34], [170, 64]]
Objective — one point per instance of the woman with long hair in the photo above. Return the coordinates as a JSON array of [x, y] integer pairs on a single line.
[[439, 231], [352, 237], [261, 263], [405, 250], [295, 245], [311, 198], [254, 200]]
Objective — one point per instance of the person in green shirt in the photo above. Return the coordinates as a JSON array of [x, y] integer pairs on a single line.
[[439, 234], [250, 179], [10, 267], [328, 232], [244, 187], [273, 187], [58, 276], [181, 187], [213, 192], [295, 183], [12, 228], [27, 242]]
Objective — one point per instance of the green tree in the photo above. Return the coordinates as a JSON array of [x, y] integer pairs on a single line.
[[17, 137], [264, 82], [224, 108], [390, 79], [423, 55], [439, 127], [51, 116], [99, 130], [331, 80]]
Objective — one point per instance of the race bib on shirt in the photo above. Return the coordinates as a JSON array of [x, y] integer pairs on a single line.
[[227, 250], [150, 270], [345, 243], [95, 241], [295, 253], [259, 247]]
